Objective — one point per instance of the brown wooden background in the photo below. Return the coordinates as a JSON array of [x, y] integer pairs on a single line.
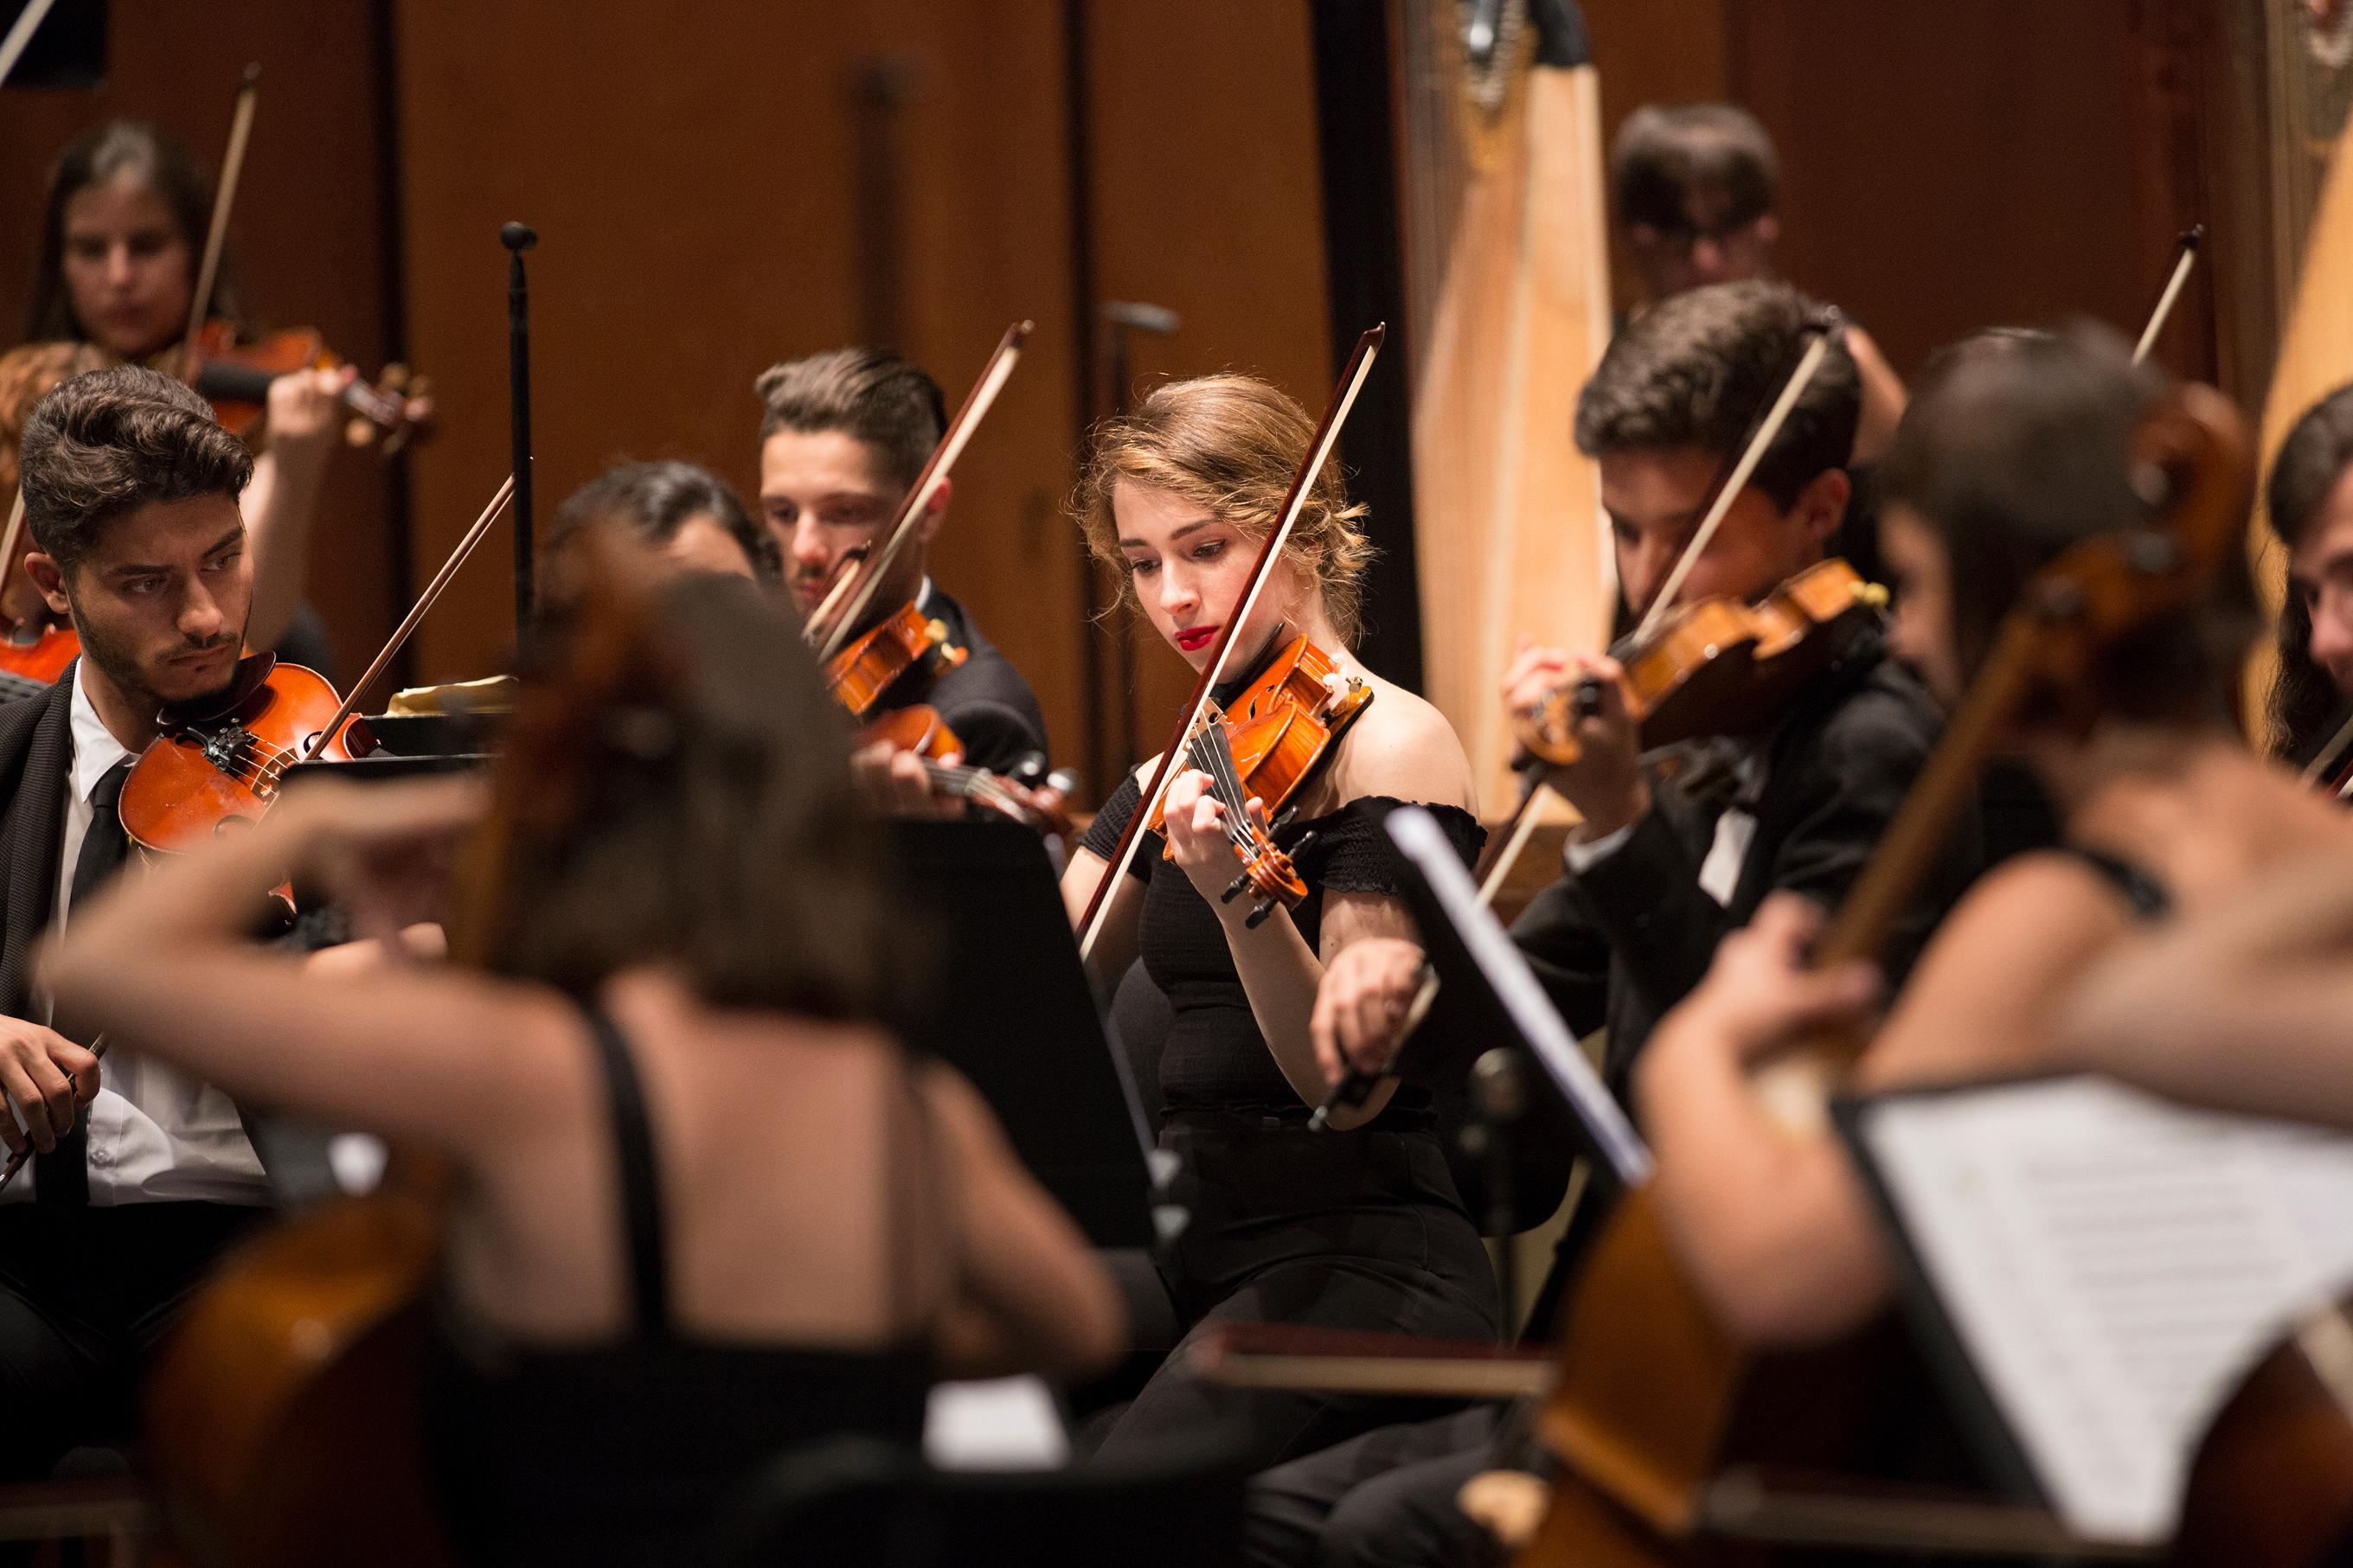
[[722, 185]]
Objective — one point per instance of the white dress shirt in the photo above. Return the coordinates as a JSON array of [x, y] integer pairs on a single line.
[[1719, 874], [156, 1134]]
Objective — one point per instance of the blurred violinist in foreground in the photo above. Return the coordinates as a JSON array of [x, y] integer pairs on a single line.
[[2018, 452], [706, 1207]]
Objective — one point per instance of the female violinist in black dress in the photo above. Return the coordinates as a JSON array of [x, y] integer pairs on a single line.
[[705, 1208], [1347, 1229]]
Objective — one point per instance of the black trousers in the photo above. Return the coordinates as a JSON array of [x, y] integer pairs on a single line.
[[1336, 1230], [1384, 1499], [85, 1294]]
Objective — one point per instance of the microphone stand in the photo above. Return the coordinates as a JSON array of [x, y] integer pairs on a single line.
[[519, 237]]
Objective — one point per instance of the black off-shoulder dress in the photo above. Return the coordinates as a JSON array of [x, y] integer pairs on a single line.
[[1340, 1230]]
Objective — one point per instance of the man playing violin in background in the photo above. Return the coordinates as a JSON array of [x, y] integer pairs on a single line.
[[843, 437], [130, 491], [1657, 874]]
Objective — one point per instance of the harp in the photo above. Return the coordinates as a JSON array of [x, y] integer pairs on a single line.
[[1506, 274]]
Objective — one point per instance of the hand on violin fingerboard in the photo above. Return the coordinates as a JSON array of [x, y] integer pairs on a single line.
[[1605, 783], [1201, 839], [894, 782]]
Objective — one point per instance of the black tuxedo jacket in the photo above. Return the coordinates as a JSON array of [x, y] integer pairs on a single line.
[[35, 756], [1629, 939], [984, 700]]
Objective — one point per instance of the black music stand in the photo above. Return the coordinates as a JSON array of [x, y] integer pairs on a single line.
[[1485, 983], [1010, 1007]]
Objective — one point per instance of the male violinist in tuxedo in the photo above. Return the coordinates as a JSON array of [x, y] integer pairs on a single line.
[[130, 491], [1657, 873], [843, 437]]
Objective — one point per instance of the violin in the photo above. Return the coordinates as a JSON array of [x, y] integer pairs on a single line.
[[1277, 735], [869, 663], [1721, 668], [221, 760], [920, 731], [235, 379]]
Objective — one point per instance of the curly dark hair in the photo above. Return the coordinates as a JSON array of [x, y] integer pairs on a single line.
[[1696, 370], [104, 445]]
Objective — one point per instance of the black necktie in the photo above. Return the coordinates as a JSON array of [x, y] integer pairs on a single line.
[[61, 1177]]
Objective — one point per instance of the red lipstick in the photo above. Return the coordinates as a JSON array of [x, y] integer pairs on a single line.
[[1193, 639]]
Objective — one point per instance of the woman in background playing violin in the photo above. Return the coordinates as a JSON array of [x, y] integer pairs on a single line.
[[122, 239], [1357, 1231], [706, 1207]]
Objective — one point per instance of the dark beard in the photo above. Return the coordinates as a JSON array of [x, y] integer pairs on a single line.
[[121, 666]]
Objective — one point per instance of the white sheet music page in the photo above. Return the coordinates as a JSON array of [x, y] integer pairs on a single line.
[[2113, 1265]]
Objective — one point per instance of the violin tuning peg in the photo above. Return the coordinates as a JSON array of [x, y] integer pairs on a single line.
[[1259, 912], [359, 433], [1234, 888]]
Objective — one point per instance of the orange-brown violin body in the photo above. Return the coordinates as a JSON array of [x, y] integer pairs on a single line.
[[1281, 728], [235, 379], [210, 771], [40, 655], [1721, 668], [868, 665]]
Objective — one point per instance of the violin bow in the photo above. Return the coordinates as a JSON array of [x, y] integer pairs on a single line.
[[1818, 328], [1319, 449], [2182, 262], [20, 35], [240, 129], [927, 484], [400, 633]]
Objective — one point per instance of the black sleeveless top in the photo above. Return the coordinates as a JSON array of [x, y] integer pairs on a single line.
[[1215, 1057], [630, 1452]]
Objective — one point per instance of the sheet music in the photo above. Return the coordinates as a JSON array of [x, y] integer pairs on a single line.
[[2113, 1264], [1419, 836]]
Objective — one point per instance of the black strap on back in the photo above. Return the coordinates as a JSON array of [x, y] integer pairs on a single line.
[[633, 1158], [2144, 894]]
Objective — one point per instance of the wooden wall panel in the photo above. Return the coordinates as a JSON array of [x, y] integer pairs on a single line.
[[1206, 200], [309, 231], [1944, 168], [696, 190]]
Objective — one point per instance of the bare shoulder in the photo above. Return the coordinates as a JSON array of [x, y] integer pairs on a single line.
[[1981, 992], [1402, 746]]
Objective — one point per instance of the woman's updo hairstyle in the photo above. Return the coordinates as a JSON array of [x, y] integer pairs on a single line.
[[1231, 445], [675, 790]]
